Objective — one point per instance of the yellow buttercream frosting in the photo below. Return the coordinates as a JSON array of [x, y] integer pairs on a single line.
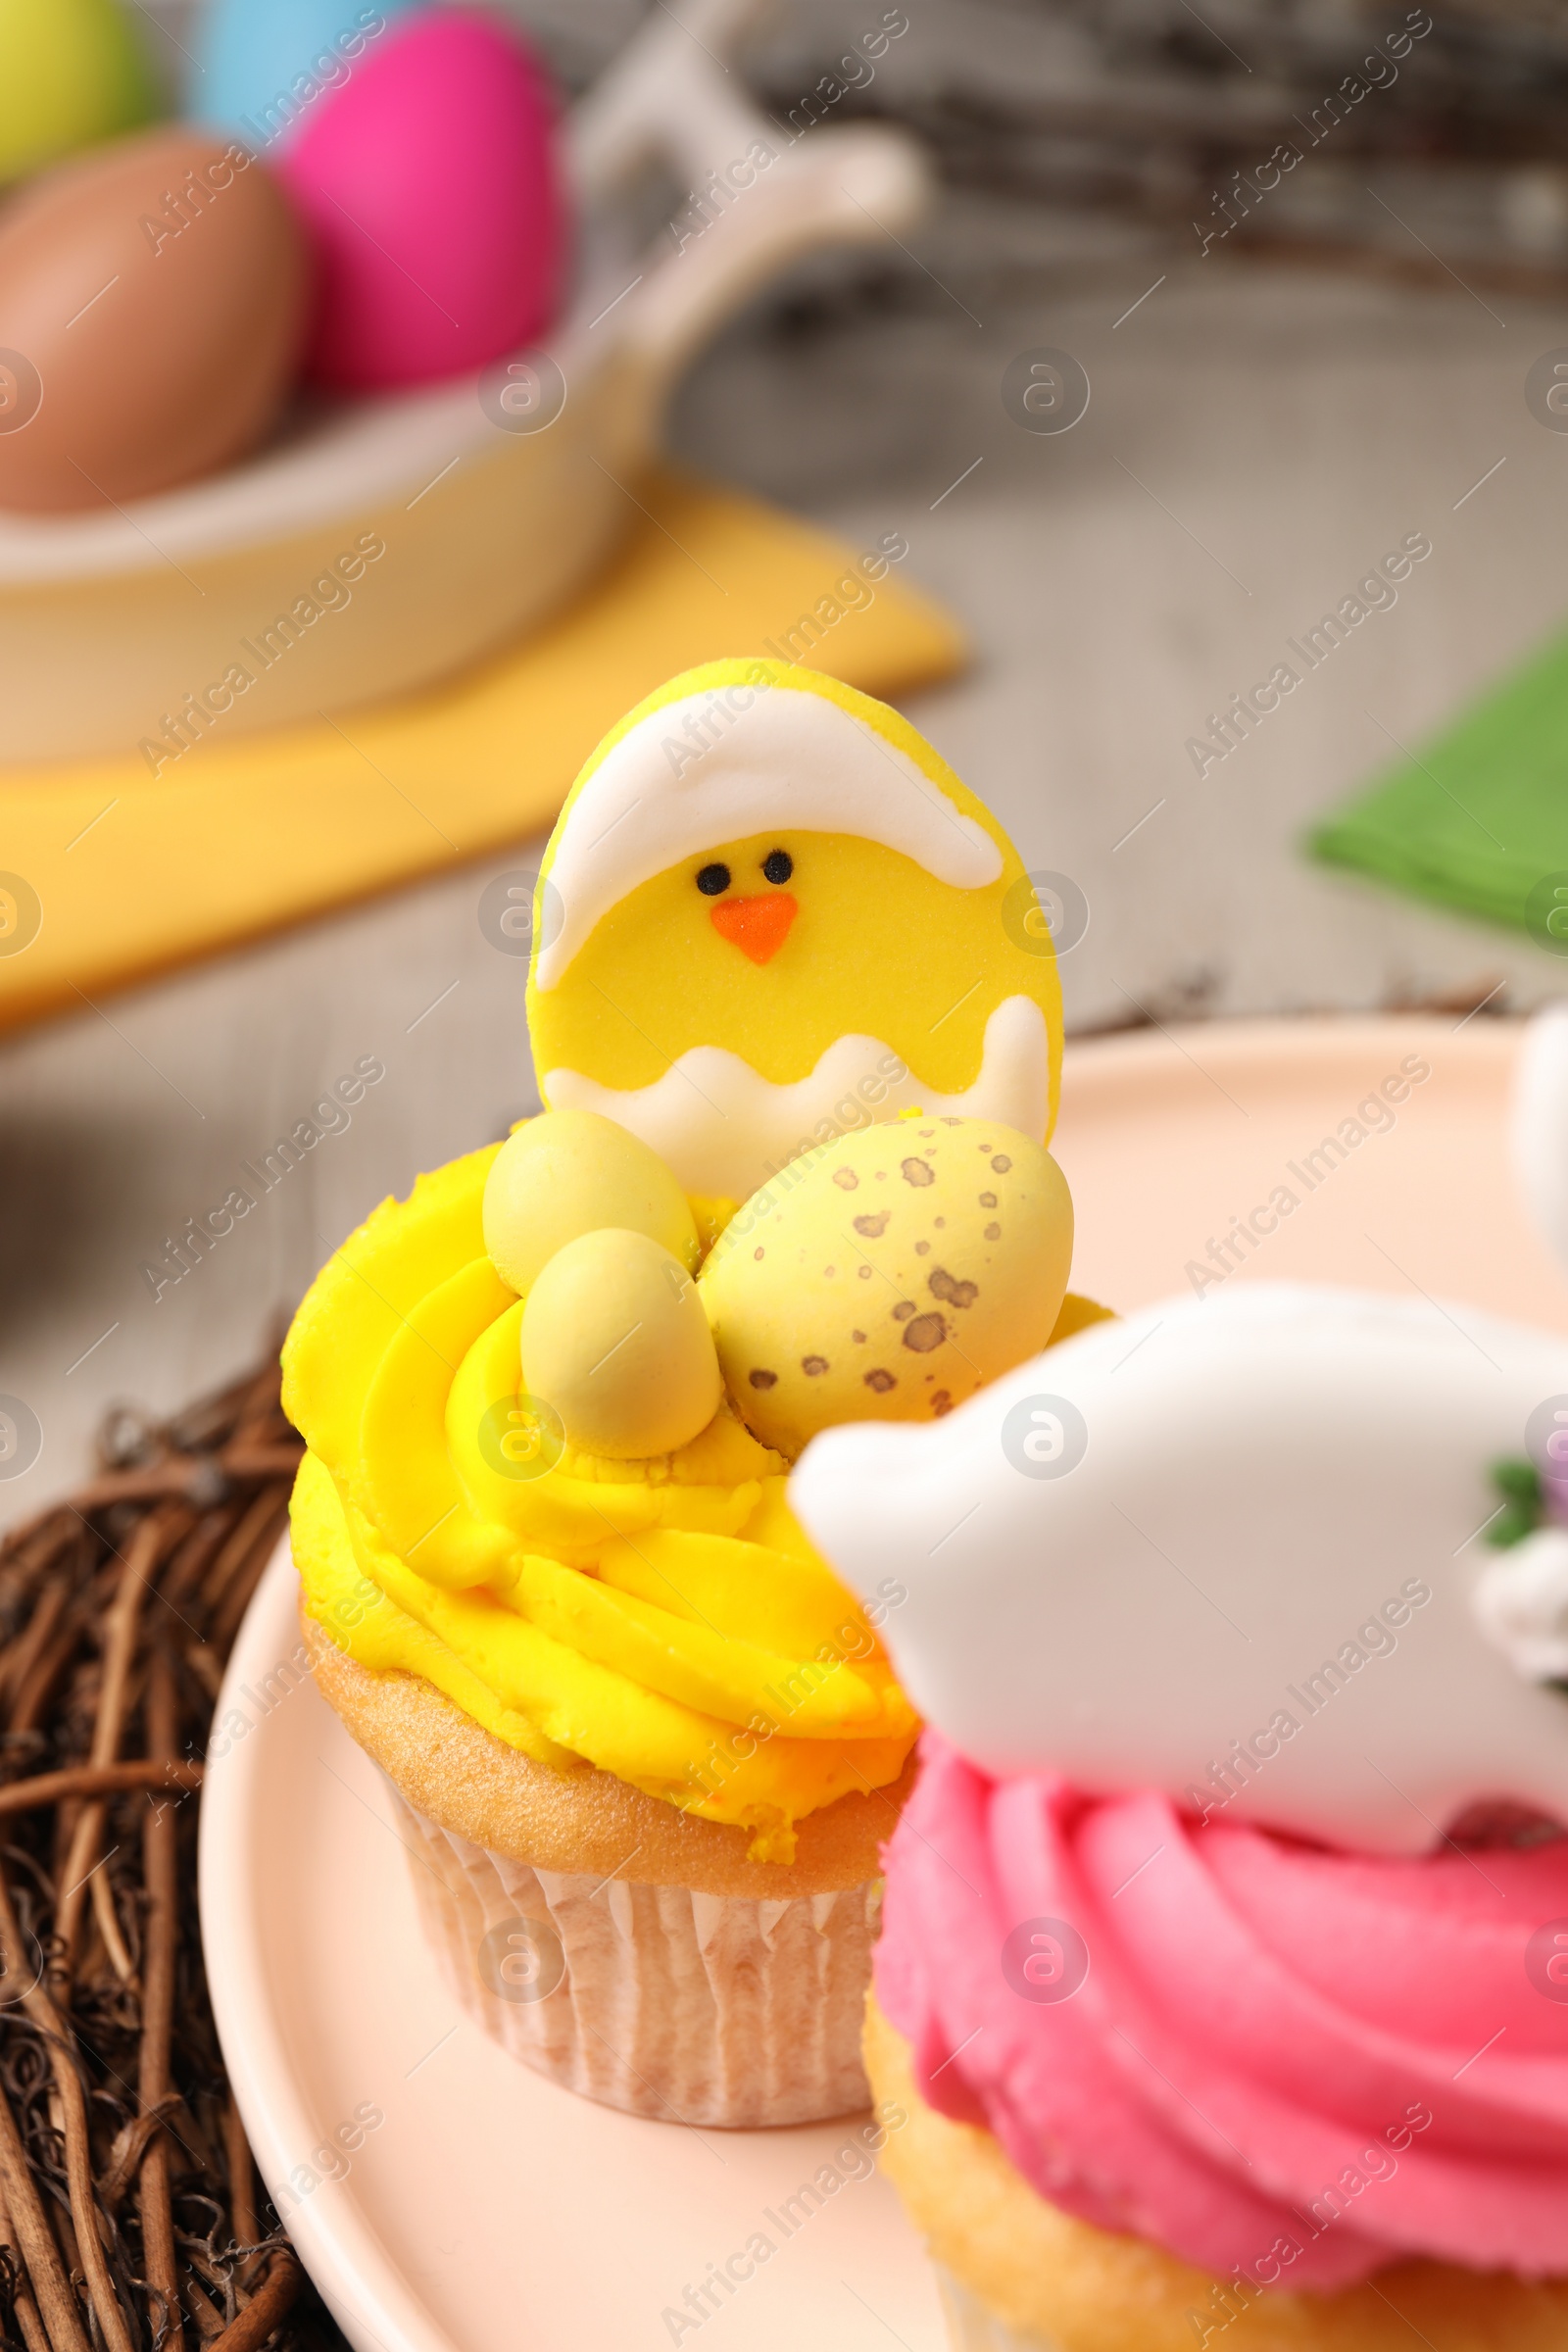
[[664, 1620]]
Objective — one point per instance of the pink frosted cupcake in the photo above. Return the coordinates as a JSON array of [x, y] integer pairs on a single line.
[[1210, 2030]]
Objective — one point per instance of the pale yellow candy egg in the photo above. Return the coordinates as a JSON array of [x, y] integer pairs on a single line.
[[569, 1172], [887, 1275], [616, 1341]]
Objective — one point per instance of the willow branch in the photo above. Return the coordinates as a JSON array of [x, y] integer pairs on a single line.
[[241, 2175], [119, 1649], [97, 1780], [72, 2099], [266, 2308], [160, 1864], [33, 2238]]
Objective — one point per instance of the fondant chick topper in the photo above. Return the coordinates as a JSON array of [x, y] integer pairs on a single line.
[[770, 913], [1227, 1548]]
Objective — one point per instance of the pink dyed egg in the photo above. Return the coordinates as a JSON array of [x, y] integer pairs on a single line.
[[430, 186]]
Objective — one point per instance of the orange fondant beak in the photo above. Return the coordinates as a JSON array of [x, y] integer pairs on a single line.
[[759, 926]]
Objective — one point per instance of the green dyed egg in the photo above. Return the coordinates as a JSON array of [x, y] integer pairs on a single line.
[[887, 1275], [71, 72]]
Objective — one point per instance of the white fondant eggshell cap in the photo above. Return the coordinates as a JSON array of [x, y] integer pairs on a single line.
[[735, 758], [721, 1128], [1230, 1548]]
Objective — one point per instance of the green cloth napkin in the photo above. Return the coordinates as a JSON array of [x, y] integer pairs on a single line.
[[1479, 820]]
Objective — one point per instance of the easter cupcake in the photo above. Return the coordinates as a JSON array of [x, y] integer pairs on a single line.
[[643, 1743], [1222, 1981]]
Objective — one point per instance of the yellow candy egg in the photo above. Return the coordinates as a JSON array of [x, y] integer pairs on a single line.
[[570, 1172], [614, 1340], [887, 1275]]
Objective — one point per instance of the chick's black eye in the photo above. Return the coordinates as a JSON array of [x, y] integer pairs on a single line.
[[778, 866], [714, 881]]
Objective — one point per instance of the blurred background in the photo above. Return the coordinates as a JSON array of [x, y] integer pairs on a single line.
[[1292, 372]]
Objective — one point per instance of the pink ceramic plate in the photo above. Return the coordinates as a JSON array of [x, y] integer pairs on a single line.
[[1170, 1137], [488, 2211]]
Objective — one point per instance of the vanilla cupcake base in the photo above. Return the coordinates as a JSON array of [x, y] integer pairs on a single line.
[[1019, 2275], [628, 1950], [688, 2008]]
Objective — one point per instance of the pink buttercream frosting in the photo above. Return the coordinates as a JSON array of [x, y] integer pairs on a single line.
[[1290, 2062]]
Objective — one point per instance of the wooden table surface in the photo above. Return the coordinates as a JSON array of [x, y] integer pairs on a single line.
[[1255, 442]]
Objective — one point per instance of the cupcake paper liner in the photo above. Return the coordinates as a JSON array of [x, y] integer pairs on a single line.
[[687, 2008], [971, 2328]]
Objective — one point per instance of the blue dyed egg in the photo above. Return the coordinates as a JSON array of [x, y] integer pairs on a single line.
[[265, 67]]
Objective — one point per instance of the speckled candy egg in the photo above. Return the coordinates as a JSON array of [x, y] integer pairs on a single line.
[[887, 1275]]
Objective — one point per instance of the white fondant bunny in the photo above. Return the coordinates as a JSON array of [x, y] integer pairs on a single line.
[[1256, 1587], [1232, 1549]]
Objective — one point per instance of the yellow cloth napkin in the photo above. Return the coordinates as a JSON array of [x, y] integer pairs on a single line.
[[134, 874]]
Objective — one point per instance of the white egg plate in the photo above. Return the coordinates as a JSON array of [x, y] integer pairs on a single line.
[[492, 529]]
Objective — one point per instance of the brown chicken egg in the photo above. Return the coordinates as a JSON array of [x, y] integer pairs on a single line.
[[153, 296]]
